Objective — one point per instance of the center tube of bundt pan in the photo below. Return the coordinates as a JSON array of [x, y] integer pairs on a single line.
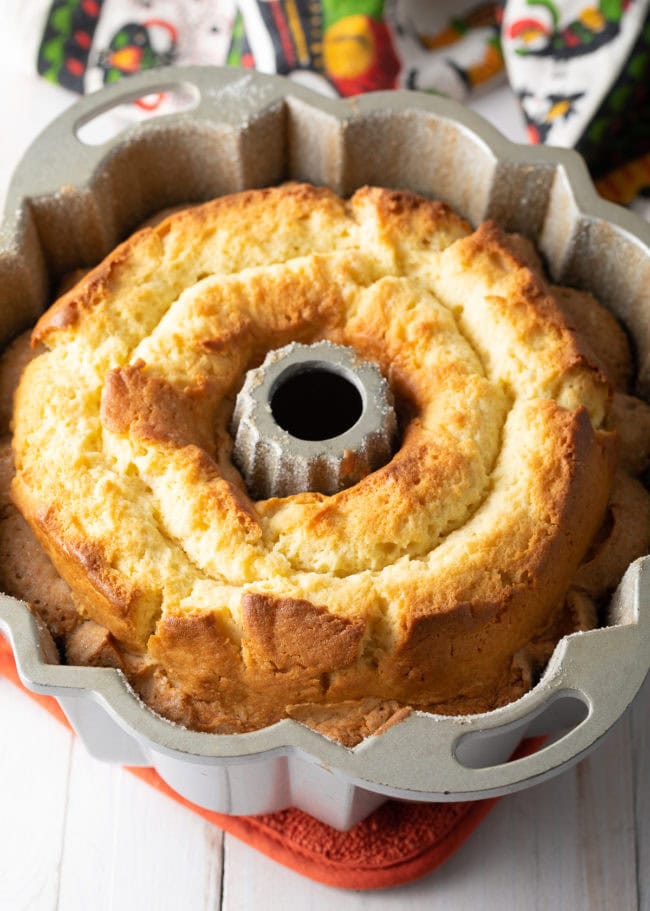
[[312, 418]]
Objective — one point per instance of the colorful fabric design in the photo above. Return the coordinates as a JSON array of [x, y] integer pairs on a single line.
[[564, 60], [67, 41], [626, 183], [580, 68], [593, 28], [620, 128], [338, 47]]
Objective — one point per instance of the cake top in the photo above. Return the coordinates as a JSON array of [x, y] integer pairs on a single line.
[[474, 527]]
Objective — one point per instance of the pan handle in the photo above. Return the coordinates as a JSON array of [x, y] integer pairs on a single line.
[[226, 97], [416, 759], [468, 758]]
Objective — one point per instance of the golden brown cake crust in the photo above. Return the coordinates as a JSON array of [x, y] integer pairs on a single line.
[[25, 571], [604, 339], [623, 537], [630, 418], [419, 584], [281, 633], [14, 360]]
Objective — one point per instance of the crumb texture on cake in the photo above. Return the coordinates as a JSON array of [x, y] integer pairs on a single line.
[[424, 583]]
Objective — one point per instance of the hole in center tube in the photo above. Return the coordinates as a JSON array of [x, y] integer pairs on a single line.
[[315, 403]]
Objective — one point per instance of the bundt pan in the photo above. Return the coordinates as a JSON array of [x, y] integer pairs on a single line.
[[70, 203]]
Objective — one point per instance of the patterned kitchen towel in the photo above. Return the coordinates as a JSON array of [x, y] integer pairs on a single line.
[[396, 844], [580, 68], [340, 47], [582, 74]]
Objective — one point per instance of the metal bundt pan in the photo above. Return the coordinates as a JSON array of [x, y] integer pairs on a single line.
[[70, 203]]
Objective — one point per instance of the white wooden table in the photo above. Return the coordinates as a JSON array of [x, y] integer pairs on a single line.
[[78, 835]]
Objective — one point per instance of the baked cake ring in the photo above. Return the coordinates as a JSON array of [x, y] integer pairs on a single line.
[[423, 581]]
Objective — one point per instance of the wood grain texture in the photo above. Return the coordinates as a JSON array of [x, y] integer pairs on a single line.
[[568, 843], [34, 778], [140, 851], [79, 834], [639, 723]]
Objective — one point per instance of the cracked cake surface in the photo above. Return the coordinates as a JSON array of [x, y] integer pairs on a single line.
[[434, 581]]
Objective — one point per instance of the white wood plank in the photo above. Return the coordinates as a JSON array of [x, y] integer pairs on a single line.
[[129, 847], [640, 724], [252, 880], [34, 770], [566, 844]]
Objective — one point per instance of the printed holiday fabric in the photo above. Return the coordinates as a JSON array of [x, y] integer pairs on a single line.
[[580, 69]]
